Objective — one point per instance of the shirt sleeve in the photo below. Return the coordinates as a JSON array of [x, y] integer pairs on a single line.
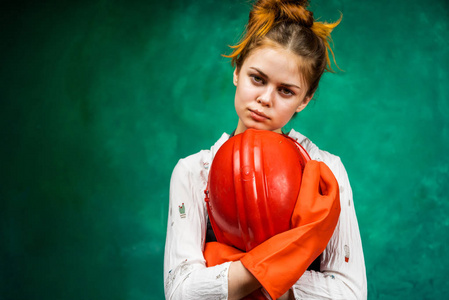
[[343, 274], [185, 273]]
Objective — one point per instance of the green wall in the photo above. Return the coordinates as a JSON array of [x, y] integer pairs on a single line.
[[99, 99]]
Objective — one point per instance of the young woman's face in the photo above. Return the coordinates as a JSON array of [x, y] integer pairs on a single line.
[[270, 89]]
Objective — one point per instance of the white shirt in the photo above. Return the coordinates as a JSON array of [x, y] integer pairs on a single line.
[[186, 276]]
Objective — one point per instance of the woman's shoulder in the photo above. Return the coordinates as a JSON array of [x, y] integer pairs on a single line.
[[331, 160]]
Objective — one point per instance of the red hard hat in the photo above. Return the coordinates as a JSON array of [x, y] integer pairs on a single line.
[[253, 185]]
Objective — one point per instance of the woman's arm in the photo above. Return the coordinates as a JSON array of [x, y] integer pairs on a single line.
[[240, 282], [185, 273]]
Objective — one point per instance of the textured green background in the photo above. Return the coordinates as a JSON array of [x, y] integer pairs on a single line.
[[99, 99]]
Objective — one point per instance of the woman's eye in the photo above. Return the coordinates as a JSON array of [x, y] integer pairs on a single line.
[[257, 79], [286, 92]]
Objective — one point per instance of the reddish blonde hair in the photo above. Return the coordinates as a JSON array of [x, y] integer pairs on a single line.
[[289, 24]]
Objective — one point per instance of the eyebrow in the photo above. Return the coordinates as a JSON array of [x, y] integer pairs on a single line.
[[265, 75]]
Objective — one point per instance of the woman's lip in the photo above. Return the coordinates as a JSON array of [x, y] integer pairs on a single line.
[[258, 116]]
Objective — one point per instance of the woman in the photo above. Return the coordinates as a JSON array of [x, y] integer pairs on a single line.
[[278, 65]]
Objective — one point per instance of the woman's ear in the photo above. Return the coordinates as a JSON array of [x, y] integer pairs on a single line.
[[304, 103], [236, 76]]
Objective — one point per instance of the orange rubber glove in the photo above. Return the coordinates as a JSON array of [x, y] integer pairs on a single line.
[[281, 260]]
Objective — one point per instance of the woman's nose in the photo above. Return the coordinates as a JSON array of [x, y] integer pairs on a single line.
[[266, 98]]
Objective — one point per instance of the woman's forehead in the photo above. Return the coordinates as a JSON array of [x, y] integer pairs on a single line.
[[276, 62]]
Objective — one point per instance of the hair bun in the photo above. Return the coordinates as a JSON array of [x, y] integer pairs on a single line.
[[287, 11], [266, 15]]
